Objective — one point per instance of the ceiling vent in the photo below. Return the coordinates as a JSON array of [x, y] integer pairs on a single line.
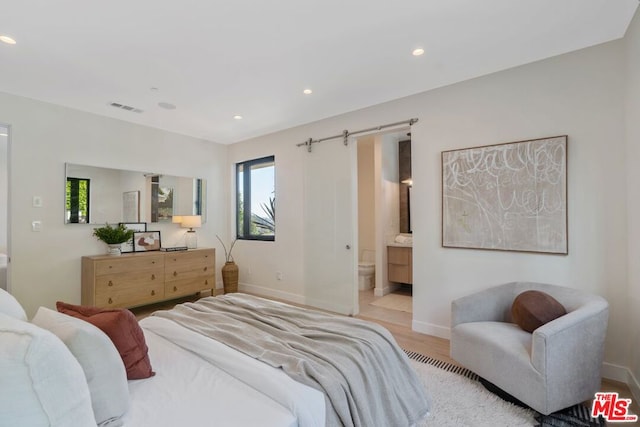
[[125, 107]]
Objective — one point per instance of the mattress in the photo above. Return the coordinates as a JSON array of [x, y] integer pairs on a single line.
[[188, 391]]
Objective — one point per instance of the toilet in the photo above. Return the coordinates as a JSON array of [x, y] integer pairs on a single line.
[[366, 270]]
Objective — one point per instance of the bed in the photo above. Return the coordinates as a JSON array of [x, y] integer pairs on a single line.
[[214, 367]]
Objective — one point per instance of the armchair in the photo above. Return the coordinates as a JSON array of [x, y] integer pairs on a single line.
[[556, 366]]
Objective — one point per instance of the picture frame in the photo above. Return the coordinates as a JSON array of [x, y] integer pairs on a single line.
[[127, 247], [508, 197], [146, 241]]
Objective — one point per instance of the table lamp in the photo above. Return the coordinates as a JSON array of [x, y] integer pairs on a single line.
[[191, 222]]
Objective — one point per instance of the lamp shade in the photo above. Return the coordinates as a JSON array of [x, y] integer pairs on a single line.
[[191, 221], [176, 219]]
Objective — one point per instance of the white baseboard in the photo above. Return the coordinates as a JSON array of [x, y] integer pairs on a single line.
[[294, 298], [634, 386], [624, 375], [431, 329], [271, 293], [614, 372], [380, 292]]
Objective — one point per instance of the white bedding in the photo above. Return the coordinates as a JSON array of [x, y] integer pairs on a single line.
[[189, 391]]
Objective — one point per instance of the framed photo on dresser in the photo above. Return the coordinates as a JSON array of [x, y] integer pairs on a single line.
[[146, 241], [135, 226]]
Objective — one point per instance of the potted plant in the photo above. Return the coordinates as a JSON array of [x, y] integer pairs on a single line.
[[230, 269], [114, 237]]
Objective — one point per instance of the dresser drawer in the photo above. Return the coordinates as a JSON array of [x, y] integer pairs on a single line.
[[129, 264], [122, 282], [182, 287], [131, 296], [189, 265]]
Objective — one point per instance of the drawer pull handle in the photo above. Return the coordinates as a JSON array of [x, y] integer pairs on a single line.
[[175, 273], [206, 282], [153, 277], [110, 283], [205, 269], [175, 289], [153, 262], [153, 293], [110, 301]]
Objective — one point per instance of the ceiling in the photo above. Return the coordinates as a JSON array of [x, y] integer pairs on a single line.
[[214, 60]]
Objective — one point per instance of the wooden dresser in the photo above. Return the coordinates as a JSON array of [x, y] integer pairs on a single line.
[[136, 279], [400, 264]]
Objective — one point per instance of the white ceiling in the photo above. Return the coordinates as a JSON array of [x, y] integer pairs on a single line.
[[215, 59]]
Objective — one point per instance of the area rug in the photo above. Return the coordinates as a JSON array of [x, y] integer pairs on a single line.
[[400, 302], [458, 399]]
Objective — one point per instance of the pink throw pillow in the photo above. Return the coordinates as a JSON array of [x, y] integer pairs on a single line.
[[121, 326]]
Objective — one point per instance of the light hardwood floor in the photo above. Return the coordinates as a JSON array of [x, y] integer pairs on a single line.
[[399, 324]]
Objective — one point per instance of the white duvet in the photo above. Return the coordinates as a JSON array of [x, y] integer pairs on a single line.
[[201, 382]]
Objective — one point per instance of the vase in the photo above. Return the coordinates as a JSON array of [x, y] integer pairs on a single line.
[[230, 277], [114, 249]]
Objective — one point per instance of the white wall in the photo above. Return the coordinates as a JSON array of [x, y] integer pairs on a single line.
[[387, 206], [46, 265], [579, 94], [4, 175], [4, 194], [632, 40], [366, 196]]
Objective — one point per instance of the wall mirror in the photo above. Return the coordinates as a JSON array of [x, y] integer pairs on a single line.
[[97, 195]]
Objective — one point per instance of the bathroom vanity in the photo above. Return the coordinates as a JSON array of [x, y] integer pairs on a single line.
[[400, 265]]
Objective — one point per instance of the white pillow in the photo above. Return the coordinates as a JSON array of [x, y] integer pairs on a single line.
[[101, 362], [41, 383], [11, 307]]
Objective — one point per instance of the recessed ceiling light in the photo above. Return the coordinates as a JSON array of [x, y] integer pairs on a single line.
[[166, 106], [237, 117], [7, 40], [307, 91], [3, 134], [417, 52]]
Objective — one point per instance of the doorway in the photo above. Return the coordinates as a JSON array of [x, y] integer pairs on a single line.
[[383, 226], [4, 206]]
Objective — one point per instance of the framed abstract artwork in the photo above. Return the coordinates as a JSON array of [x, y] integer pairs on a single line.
[[509, 197], [146, 241]]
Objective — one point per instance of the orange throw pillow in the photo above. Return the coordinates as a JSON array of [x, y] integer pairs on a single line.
[[121, 326], [532, 309]]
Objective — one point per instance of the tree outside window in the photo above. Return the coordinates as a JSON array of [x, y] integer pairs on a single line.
[[77, 200], [255, 199]]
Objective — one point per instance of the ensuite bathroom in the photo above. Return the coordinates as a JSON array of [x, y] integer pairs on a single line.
[[385, 242]]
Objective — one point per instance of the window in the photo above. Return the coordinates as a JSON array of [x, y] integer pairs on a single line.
[[256, 199], [77, 200]]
